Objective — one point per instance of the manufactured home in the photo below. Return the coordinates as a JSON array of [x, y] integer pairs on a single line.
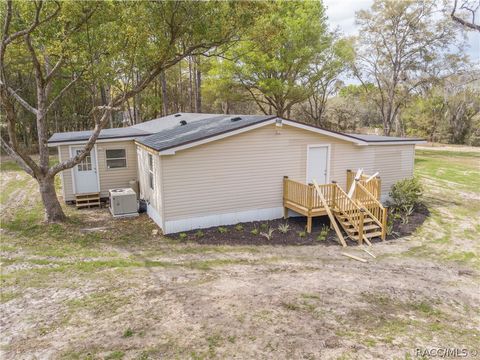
[[202, 170]]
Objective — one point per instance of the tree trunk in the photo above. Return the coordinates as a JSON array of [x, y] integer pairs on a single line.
[[164, 93], [53, 209], [190, 84], [198, 87]]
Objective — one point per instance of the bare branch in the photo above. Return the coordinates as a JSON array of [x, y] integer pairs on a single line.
[[17, 97], [15, 156], [470, 25]]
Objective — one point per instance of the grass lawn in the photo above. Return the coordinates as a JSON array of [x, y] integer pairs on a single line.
[[98, 288]]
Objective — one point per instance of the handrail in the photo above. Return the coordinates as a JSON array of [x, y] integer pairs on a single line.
[[372, 206], [350, 208]]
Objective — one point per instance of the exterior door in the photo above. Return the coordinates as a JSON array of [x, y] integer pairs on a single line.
[[317, 164], [85, 173]]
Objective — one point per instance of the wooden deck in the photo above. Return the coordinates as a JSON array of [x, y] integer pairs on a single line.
[[361, 216]]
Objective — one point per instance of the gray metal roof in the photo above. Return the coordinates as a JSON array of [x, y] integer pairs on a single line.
[[170, 121], [104, 134], [167, 132], [198, 130]]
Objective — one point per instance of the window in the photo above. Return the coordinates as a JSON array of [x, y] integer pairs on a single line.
[[86, 164], [150, 170], [116, 158]]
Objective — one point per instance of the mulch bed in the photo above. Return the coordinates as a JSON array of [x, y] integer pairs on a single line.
[[233, 236]]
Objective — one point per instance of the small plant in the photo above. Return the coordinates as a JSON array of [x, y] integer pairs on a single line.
[[255, 231], [406, 213], [323, 233], [264, 226], [302, 234], [199, 234], [222, 230], [268, 234], [239, 227], [182, 236], [127, 333], [284, 228]]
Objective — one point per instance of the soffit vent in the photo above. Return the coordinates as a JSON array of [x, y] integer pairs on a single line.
[[233, 119], [177, 115]]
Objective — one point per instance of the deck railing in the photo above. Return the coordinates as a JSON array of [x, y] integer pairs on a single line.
[[374, 186], [305, 195], [350, 209], [372, 206]]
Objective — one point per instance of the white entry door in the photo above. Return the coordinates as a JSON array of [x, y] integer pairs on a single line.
[[317, 164], [85, 173]]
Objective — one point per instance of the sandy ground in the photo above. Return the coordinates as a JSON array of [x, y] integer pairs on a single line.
[[183, 300]]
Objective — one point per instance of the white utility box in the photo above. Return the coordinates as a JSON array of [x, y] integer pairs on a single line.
[[123, 202]]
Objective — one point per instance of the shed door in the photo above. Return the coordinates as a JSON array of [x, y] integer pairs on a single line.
[[317, 162], [85, 173]]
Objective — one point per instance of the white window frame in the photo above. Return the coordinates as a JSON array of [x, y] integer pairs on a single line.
[[119, 158], [151, 179]]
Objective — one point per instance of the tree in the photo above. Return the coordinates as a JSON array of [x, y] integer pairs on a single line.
[[102, 44], [273, 62], [324, 80], [400, 44]]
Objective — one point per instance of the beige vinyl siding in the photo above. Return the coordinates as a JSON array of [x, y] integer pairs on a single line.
[[109, 178], [152, 196], [67, 183], [245, 171]]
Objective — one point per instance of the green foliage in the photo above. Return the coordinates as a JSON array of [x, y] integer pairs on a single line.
[[239, 227], [264, 226], [302, 234], [406, 194], [322, 236], [222, 230], [199, 234], [284, 228], [182, 236], [255, 231]]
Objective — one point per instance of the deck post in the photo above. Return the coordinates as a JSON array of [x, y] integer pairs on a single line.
[[334, 195], [360, 226], [384, 223], [285, 197], [349, 179], [310, 193]]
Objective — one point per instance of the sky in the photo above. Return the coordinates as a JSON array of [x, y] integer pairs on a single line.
[[341, 13]]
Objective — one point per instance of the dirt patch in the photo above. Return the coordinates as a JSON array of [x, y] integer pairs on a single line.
[[415, 220], [250, 233]]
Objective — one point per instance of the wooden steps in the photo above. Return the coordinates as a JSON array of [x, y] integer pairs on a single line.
[[370, 228], [87, 200]]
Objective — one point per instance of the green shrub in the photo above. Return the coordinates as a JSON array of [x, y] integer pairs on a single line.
[[222, 230], [406, 195], [302, 234], [182, 236], [264, 226], [255, 231], [199, 234]]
